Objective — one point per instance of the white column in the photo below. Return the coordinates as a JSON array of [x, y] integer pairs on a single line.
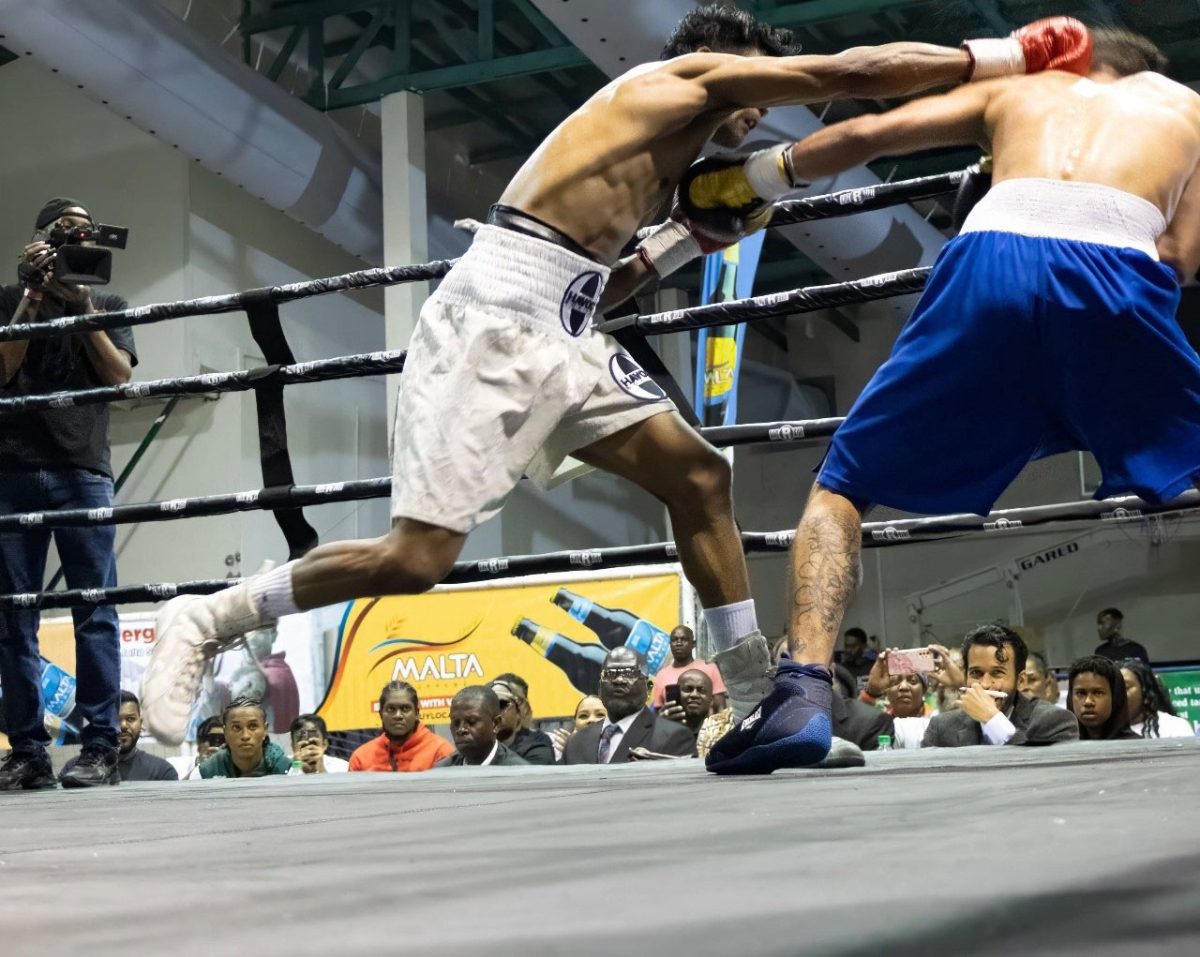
[[405, 221]]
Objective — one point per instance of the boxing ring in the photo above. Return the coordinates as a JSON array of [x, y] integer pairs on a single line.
[[285, 499], [1087, 847]]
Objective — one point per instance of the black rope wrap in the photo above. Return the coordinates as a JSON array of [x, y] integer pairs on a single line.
[[342, 367], [846, 202], [875, 534], [805, 299], [233, 302]]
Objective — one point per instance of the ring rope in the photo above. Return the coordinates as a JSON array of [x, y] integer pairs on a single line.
[[875, 534], [296, 496], [157, 312], [804, 299], [322, 370], [838, 203]]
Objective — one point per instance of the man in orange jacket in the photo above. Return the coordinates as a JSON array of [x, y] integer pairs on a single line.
[[406, 744]]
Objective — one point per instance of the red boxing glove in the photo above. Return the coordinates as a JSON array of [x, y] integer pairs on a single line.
[[1055, 43]]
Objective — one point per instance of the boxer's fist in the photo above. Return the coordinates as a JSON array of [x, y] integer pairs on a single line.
[[1055, 43], [672, 245], [726, 198]]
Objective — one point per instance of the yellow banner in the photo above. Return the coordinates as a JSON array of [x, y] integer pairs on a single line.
[[722, 360], [554, 635]]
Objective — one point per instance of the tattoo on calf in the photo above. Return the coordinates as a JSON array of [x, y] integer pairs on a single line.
[[825, 573]]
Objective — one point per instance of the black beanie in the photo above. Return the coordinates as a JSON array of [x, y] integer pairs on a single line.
[[55, 208]]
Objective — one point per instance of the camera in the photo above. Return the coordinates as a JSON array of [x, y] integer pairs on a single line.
[[86, 265]]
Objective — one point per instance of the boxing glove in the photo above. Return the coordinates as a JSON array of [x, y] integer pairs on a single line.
[[726, 198], [1055, 43]]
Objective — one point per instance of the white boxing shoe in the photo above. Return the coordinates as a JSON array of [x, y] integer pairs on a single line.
[[189, 631]]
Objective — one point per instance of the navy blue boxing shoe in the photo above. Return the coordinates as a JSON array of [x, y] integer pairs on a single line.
[[792, 727]]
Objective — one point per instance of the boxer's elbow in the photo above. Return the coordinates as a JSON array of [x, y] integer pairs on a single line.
[[1183, 257]]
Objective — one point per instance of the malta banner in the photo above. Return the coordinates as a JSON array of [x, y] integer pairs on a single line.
[[554, 634]]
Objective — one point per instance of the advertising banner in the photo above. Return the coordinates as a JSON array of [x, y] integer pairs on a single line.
[[554, 634]]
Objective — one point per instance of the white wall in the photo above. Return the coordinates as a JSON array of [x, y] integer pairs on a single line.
[[191, 234]]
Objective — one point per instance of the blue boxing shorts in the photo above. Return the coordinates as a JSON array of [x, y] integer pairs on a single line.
[[1047, 325]]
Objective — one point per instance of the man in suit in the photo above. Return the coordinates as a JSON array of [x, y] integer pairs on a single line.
[[474, 721], [630, 724], [994, 656]]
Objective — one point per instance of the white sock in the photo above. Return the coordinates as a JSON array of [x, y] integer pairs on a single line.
[[728, 624], [272, 592]]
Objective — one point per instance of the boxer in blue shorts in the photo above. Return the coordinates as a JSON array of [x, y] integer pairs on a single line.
[[1047, 325]]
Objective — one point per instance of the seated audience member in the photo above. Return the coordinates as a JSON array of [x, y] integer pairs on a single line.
[[534, 747], [310, 741], [475, 716], [853, 719], [856, 653], [210, 737], [134, 764], [683, 658], [630, 724], [695, 703], [1037, 680], [906, 704], [1096, 696], [906, 693], [405, 744], [1113, 645], [248, 752], [1151, 713], [589, 710], [994, 656]]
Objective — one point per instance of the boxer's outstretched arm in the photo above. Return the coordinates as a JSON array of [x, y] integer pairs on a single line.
[[954, 119], [890, 70], [1179, 246]]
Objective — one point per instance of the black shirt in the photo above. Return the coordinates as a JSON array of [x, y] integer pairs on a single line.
[[73, 437], [534, 746], [1120, 648], [140, 766]]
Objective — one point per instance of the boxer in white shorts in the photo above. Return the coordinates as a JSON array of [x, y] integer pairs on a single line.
[[506, 374]]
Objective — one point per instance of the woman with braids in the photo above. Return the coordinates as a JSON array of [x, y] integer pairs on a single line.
[[1151, 713]]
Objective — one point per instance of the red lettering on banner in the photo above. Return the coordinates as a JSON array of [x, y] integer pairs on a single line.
[[141, 636]]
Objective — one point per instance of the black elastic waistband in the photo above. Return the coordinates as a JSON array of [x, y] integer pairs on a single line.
[[509, 217]]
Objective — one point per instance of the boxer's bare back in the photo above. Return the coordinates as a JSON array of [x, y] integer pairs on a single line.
[[618, 158]]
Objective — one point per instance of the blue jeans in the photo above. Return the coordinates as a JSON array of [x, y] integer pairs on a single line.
[[88, 562]]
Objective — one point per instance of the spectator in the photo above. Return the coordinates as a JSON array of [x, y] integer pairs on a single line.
[[134, 764], [994, 656], [534, 747], [906, 693], [590, 710], [310, 742], [683, 658], [695, 703], [405, 744], [248, 752], [475, 722], [56, 459], [1113, 645], [521, 686], [1096, 696], [1037, 680], [856, 654], [1151, 713], [210, 737], [856, 721], [630, 724]]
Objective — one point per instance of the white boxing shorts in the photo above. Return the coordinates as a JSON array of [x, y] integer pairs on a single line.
[[506, 376]]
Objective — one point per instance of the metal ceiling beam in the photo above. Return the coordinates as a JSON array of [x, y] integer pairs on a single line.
[[460, 75], [305, 13], [820, 11]]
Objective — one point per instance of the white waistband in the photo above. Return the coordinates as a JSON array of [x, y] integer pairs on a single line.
[[1058, 209], [512, 272]]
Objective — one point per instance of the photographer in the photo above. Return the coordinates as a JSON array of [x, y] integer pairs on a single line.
[[56, 459]]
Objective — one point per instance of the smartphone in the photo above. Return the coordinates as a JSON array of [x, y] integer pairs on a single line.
[[910, 661], [671, 694]]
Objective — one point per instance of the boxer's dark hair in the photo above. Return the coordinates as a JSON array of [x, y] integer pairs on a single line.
[[1125, 52], [726, 29]]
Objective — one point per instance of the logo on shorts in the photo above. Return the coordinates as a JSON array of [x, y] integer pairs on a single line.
[[579, 302], [633, 379]]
